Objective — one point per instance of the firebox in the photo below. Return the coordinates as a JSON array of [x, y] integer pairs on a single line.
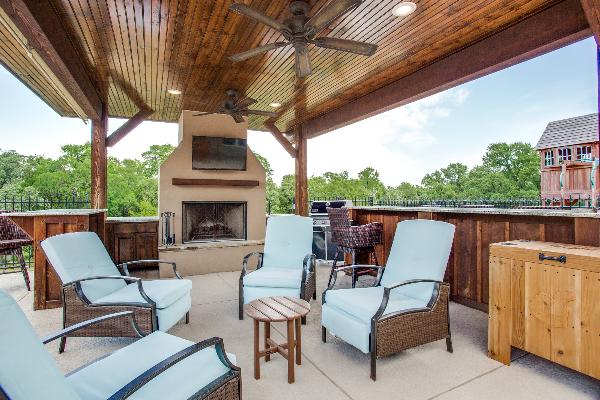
[[213, 220]]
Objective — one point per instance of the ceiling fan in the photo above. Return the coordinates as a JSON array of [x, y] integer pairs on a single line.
[[300, 30], [237, 107]]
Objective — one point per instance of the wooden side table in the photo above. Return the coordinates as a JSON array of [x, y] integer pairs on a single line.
[[278, 309]]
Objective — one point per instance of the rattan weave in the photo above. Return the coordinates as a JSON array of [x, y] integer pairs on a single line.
[[230, 390], [76, 310], [405, 331]]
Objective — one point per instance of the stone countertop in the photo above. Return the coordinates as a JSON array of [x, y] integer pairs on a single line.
[[72, 211], [536, 212], [132, 219]]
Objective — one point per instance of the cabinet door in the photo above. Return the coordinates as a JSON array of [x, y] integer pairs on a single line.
[[590, 324], [537, 309], [566, 316]]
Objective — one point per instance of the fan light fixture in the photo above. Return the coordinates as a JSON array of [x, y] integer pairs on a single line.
[[174, 91], [275, 105], [405, 8]]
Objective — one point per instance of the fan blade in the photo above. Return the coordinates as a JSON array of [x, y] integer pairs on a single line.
[[237, 117], [350, 46], [256, 51], [328, 13], [303, 66], [257, 16], [245, 102], [263, 113]]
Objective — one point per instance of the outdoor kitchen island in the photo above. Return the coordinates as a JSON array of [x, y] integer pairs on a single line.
[[476, 229], [43, 224]]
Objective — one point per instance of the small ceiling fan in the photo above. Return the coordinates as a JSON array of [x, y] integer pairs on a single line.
[[300, 30], [237, 107]]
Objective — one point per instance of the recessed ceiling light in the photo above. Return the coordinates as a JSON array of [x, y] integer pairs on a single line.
[[405, 8], [174, 91], [275, 105]]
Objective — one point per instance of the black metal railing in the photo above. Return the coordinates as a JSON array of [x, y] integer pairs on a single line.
[[9, 263], [578, 201]]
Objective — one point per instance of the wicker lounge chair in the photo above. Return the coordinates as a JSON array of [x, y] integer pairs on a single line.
[[12, 240], [158, 366], [287, 266], [93, 286], [353, 240], [407, 306]]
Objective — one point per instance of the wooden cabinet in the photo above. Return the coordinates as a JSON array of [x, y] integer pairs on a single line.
[[130, 239], [545, 299]]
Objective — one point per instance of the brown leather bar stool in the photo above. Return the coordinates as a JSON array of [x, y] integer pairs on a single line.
[[12, 240], [353, 240]]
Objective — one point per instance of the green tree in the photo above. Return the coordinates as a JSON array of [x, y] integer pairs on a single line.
[[154, 157], [272, 190]]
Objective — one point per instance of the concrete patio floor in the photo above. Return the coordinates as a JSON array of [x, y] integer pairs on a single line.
[[335, 370]]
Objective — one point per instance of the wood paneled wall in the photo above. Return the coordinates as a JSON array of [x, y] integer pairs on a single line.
[[468, 272]]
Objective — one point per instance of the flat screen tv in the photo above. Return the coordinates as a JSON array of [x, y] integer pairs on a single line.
[[218, 153]]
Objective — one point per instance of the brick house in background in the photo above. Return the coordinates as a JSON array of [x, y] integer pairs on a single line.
[[567, 149]]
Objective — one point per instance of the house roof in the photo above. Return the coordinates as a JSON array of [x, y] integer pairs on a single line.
[[576, 130]]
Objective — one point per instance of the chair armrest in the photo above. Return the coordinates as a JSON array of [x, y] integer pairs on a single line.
[[138, 262], [129, 279], [247, 258], [167, 363], [335, 271], [388, 289], [84, 324], [308, 264]]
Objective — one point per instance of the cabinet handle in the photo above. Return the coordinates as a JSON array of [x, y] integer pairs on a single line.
[[560, 259]]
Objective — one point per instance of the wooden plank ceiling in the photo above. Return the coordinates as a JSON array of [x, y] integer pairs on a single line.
[[135, 50]]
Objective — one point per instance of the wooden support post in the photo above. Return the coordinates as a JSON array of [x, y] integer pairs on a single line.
[[283, 141], [301, 173], [127, 127], [99, 160]]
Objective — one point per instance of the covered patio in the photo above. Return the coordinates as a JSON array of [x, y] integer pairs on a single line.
[[166, 60], [335, 370]]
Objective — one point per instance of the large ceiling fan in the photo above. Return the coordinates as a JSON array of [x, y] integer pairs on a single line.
[[300, 30], [237, 107]]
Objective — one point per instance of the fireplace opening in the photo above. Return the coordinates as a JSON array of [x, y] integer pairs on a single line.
[[212, 221]]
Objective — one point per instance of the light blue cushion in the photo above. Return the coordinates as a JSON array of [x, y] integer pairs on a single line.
[[27, 371], [105, 377], [253, 293], [347, 328], [420, 251], [363, 303], [274, 277], [288, 240], [167, 317], [81, 255], [162, 292]]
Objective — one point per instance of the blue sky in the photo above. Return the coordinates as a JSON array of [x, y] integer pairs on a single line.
[[403, 144]]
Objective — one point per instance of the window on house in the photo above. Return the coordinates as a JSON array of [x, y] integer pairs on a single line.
[[584, 153], [549, 158], [564, 154]]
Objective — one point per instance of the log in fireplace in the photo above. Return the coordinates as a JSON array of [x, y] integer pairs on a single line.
[[213, 220]]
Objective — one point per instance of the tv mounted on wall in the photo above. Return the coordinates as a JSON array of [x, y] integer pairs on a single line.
[[218, 153]]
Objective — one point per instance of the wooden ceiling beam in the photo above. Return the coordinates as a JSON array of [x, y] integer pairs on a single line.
[[53, 45], [550, 29], [128, 126], [592, 13], [280, 137]]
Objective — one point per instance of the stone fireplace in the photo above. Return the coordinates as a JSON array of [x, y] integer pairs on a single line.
[[218, 216], [213, 220]]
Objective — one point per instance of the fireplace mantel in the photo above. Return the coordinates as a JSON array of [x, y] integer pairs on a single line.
[[214, 182]]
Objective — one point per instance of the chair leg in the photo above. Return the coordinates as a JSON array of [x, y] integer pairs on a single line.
[[19, 254], [324, 334], [187, 317], [353, 270], [449, 344], [303, 320], [373, 366], [337, 254], [63, 343], [241, 311]]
